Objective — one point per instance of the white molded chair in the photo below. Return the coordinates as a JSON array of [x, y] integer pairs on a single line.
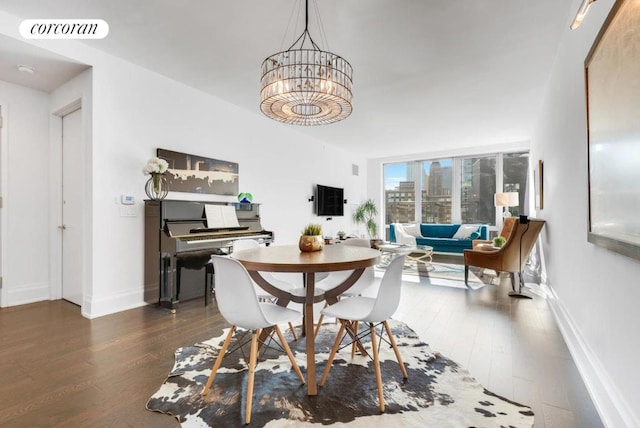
[[336, 278], [263, 296], [239, 305], [374, 312]]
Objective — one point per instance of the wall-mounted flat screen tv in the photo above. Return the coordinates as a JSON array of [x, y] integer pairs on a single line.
[[329, 201]]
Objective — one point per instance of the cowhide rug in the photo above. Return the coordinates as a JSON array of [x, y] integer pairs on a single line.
[[438, 392]]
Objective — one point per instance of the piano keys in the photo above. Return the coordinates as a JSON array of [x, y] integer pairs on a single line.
[[177, 235]]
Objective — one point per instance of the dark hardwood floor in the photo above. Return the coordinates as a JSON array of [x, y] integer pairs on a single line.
[[60, 369]]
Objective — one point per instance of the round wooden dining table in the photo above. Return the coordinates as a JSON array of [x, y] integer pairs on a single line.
[[289, 258]]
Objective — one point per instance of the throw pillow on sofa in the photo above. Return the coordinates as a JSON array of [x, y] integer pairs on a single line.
[[474, 235], [402, 237], [465, 231], [413, 230]]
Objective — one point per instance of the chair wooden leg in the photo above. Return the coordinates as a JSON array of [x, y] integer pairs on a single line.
[[332, 355], [216, 365], [396, 351], [293, 331], [315, 333], [353, 345], [353, 334], [253, 356], [287, 349], [513, 280], [376, 363], [466, 275]]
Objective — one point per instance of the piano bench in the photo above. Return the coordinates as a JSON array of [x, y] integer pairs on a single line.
[[196, 261]]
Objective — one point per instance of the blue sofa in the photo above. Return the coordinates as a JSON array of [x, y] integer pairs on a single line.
[[440, 237]]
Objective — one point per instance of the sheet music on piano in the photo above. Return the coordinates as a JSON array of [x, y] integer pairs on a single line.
[[221, 216]]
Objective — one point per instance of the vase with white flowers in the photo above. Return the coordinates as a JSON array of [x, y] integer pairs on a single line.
[[157, 186]]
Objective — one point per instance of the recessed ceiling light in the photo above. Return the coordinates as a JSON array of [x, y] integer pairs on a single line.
[[26, 69]]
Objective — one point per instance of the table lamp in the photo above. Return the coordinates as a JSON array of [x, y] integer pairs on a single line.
[[507, 199]]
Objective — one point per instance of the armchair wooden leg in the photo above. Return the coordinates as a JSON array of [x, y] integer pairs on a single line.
[[287, 349], [216, 365], [332, 355], [396, 351], [253, 356], [376, 364]]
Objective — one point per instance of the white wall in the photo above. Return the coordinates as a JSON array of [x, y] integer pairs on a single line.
[[596, 290], [137, 111], [25, 192]]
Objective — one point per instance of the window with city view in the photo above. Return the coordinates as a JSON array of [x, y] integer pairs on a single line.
[[437, 182], [514, 177], [400, 190], [478, 185], [453, 189]]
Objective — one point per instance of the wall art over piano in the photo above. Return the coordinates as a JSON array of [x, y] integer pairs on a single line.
[[198, 174]]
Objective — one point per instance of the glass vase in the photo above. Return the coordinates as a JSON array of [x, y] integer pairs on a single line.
[[157, 187]]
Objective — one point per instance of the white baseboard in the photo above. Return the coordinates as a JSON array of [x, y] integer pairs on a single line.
[[94, 307], [24, 294], [610, 403]]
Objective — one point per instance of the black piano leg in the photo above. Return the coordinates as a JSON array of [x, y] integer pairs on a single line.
[[178, 270], [206, 287]]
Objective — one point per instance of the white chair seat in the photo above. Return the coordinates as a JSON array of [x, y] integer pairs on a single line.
[[355, 308], [275, 314], [301, 291]]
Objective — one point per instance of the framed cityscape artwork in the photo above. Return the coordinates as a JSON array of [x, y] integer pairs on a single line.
[[198, 174], [612, 68]]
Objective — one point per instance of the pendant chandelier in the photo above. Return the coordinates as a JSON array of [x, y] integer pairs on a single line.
[[305, 85]]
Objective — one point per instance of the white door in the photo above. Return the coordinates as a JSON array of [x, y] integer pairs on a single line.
[[72, 207], [1, 201]]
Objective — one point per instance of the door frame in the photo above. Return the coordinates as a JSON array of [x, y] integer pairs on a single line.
[[55, 190], [3, 193]]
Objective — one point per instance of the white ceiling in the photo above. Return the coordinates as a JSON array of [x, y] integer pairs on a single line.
[[49, 70], [429, 75]]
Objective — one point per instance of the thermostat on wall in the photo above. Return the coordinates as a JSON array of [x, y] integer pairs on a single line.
[[128, 200]]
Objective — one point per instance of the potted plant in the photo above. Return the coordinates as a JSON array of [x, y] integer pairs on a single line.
[[366, 214], [341, 235], [311, 239], [499, 241]]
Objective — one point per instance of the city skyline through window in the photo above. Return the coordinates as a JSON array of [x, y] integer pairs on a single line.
[[453, 189]]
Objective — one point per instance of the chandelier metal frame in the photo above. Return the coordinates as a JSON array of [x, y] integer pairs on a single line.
[[305, 85]]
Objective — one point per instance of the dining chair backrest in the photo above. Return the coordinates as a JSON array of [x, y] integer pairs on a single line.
[[357, 242], [245, 244], [368, 276], [388, 297], [235, 294]]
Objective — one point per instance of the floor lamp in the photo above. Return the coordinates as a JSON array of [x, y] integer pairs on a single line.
[[520, 292]]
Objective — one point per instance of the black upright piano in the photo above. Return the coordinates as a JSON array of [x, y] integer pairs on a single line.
[[176, 235]]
